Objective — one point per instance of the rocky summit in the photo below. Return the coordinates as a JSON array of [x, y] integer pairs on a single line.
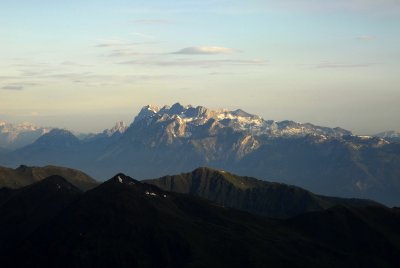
[[183, 121]]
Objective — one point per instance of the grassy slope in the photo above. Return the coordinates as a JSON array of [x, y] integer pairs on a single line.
[[245, 193], [22, 176]]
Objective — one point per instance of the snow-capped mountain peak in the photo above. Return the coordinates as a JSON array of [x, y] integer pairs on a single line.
[[147, 111], [186, 118], [119, 127], [388, 134], [15, 136]]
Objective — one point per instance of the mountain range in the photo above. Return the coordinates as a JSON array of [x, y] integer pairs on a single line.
[[127, 223], [392, 136], [264, 198], [17, 136], [169, 140], [24, 176]]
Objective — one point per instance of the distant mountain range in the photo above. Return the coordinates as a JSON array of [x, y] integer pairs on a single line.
[[16, 136], [169, 140], [13, 137], [392, 136], [116, 131], [126, 223]]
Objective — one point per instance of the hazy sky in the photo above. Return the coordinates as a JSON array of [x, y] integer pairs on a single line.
[[86, 64]]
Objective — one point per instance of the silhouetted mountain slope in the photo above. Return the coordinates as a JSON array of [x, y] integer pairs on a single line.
[[352, 230], [249, 194], [126, 223], [22, 211], [5, 193], [23, 175]]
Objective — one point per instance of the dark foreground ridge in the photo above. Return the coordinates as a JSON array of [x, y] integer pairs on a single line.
[[26, 209], [264, 198], [24, 175], [127, 223]]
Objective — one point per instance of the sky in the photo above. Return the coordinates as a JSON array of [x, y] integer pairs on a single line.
[[83, 65]]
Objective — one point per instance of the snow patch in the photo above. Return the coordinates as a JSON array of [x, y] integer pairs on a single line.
[[365, 137]]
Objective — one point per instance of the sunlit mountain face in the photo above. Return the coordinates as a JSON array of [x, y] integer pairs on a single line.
[[179, 138]]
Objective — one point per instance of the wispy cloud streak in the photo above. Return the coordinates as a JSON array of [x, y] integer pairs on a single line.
[[334, 65], [204, 50], [153, 21], [198, 63], [13, 87], [366, 38]]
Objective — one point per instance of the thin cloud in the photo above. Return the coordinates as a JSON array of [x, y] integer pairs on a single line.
[[128, 52], [110, 42], [222, 73], [124, 44], [153, 21], [6, 77], [13, 87], [366, 38], [72, 63], [198, 63], [124, 53], [204, 50], [143, 35], [334, 65]]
